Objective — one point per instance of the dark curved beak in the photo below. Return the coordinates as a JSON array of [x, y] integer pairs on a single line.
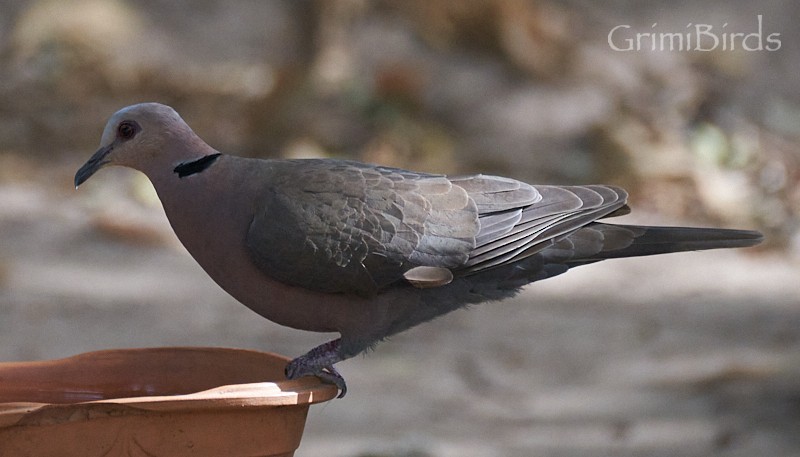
[[94, 163]]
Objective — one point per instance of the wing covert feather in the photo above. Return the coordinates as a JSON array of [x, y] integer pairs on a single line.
[[345, 227]]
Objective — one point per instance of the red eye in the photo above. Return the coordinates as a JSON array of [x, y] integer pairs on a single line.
[[127, 130]]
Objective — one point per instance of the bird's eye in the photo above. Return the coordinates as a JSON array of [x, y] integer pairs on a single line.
[[127, 129]]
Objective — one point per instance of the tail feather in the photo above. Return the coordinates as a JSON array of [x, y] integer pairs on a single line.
[[591, 243], [620, 241]]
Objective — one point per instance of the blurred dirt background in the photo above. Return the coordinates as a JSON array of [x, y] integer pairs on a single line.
[[685, 355]]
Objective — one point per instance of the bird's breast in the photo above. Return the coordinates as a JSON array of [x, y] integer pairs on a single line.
[[213, 229]]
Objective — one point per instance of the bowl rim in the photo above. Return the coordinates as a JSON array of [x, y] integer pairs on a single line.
[[302, 391]]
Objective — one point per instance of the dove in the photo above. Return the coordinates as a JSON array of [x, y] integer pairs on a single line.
[[369, 251]]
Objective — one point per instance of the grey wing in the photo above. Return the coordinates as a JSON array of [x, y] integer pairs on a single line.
[[510, 232], [345, 227], [338, 226]]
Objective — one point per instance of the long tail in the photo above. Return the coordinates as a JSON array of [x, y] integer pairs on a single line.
[[599, 241], [591, 243]]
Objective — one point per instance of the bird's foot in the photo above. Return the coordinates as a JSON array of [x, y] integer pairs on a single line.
[[327, 374], [319, 362]]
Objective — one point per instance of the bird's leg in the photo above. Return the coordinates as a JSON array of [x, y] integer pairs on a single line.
[[319, 362]]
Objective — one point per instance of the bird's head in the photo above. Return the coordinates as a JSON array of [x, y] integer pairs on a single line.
[[139, 136]]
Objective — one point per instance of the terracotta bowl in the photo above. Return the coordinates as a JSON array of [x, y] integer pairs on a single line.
[[155, 402]]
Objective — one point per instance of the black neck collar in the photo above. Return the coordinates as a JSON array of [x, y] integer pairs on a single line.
[[195, 166]]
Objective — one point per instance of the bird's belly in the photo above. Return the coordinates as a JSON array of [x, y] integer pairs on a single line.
[[283, 304]]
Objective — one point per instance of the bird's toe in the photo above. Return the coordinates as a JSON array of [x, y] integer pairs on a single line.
[[298, 368]]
